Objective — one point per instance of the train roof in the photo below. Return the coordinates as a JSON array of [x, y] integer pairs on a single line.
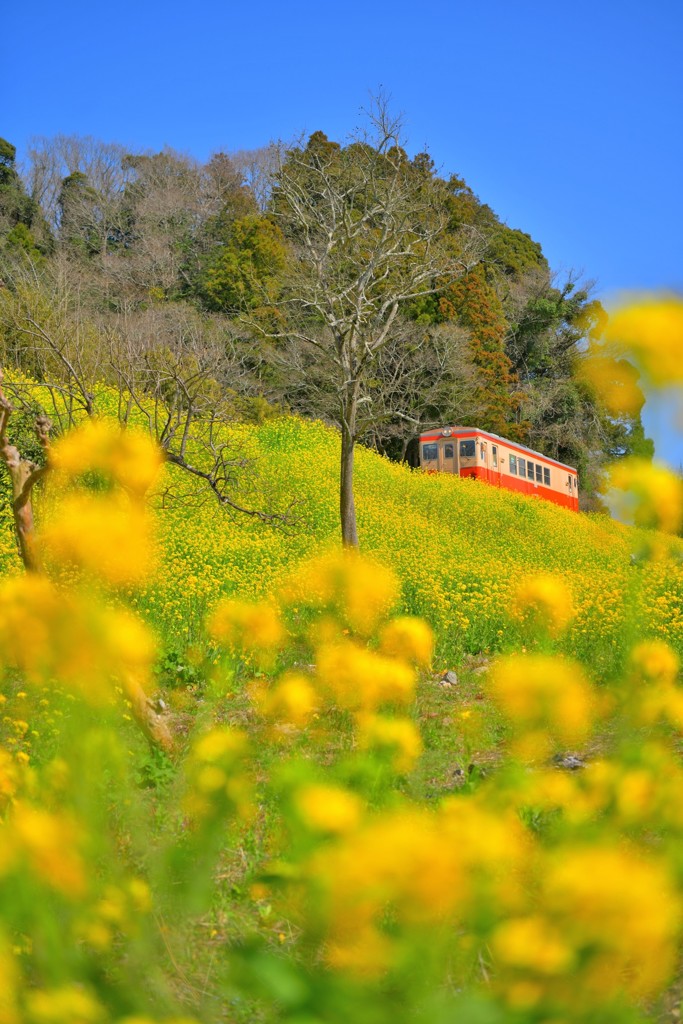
[[438, 432]]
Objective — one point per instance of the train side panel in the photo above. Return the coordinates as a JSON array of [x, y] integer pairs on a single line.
[[496, 461]]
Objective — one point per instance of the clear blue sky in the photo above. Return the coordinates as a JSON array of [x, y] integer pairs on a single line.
[[565, 118]]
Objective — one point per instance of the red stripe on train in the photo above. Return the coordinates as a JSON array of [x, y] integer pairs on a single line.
[[521, 486]]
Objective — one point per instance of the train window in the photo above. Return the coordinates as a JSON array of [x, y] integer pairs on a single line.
[[513, 465], [521, 463], [448, 451], [430, 452], [530, 470], [539, 474], [483, 452], [569, 481], [546, 476], [494, 453], [468, 449]]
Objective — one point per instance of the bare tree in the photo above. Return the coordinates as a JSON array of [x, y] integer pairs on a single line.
[[45, 333], [368, 237], [51, 160], [424, 377], [181, 374], [258, 168]]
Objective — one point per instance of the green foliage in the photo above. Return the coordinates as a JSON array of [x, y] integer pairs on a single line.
[[515, 251], [18, 211], [475, 303], [8, 154], [242, 273], [22, 240]]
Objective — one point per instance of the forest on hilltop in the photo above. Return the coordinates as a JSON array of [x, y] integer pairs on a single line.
[[185, 282]]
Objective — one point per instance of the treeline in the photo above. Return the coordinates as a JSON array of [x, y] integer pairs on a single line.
[[209, 287]]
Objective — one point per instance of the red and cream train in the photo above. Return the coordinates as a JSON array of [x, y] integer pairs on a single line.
[[468, 451]]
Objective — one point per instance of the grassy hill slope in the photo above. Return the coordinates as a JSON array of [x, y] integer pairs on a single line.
[[458, 546]]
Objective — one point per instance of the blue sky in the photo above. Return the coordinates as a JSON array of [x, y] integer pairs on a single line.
[[565, 118]]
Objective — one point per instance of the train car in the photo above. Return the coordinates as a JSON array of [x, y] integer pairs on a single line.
[[475, 453]]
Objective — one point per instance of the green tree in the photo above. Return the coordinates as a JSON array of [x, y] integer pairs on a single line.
[[243, 271], [19, 213], [475, 304]]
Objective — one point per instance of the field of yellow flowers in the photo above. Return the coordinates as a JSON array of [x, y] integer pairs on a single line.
[[234, 788], [458, 548]]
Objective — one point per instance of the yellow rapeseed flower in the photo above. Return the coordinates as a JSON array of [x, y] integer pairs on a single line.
[[544, 602], [361, 679], [9, 984], [408, 638], [325, 808], [547, 700], [626, 944], [220, 745], [49, 842], [216, 781], [294, 700], [106, 536], [128, 457], [532, 943], [358, 590], [70, 1004], [399, 736], [9, 778], [251, 627], [651, 330], [648, 494], [614, 380], [655, 661]]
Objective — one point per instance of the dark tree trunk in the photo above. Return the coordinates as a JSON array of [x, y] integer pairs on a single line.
[[347, 506]]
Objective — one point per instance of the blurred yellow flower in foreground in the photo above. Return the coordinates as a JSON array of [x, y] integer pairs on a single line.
[[325, 808], [128, 458], [293, 701], [619, 911], [358, 678], [532, 943], [648, 494], [543, 601], [216, 780], [359, 591], [251, 627], [106, 535], [614, 380], [70, 1004], [651, 329], [47, 634], [398, 736], [547, 700], [655, 661], [408, 638], [49, 843]]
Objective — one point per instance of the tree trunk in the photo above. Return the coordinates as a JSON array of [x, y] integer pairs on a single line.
[[347, 507], [24, 474]]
